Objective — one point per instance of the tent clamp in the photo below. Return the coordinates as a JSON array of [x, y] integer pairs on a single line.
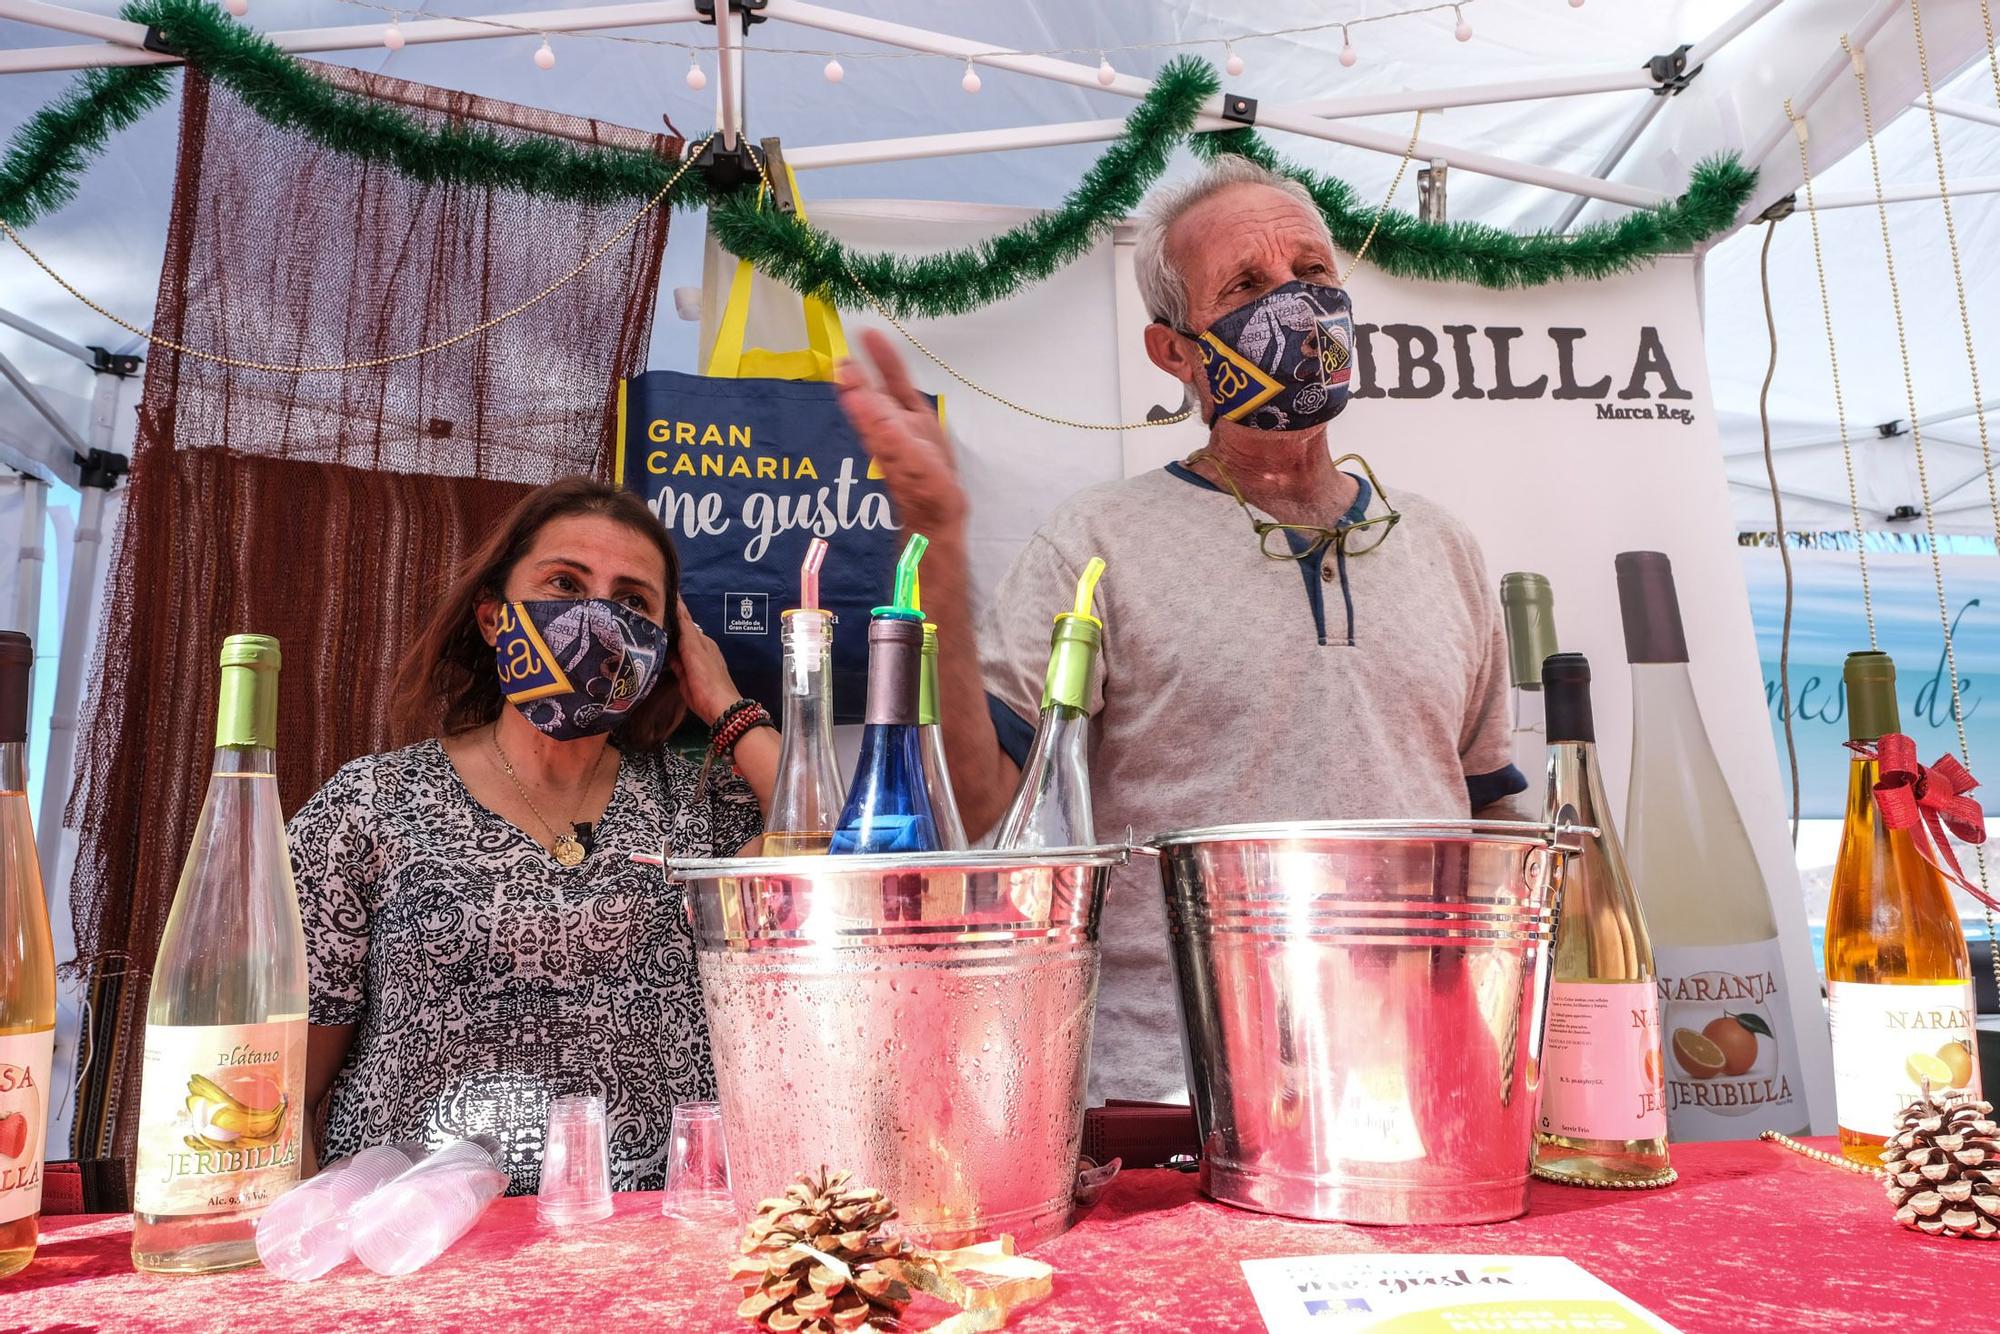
[[1430, 191], [751, 10], [101, 468], [1670, 72], [727, 169], [156, 40], [1889, 430], [779, 177], [106, 362], [1903, 514], [1780, 209], [1241, 109]]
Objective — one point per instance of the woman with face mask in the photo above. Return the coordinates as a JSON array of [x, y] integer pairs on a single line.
[[479, 938]]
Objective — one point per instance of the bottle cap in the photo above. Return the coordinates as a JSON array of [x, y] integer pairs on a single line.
[[895, 669], [17, 661], [1074, 644], [258, 651], [1530, 607], [908, 605], [1566, 684], [1872, 712], [1652, 613]]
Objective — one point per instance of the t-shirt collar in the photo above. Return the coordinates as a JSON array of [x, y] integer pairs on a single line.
[[1363, 494]]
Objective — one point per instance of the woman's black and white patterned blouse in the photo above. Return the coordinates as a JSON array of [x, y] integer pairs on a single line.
[[485, 978]]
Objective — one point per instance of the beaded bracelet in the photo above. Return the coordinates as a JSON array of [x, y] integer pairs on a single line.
[[737, 722]]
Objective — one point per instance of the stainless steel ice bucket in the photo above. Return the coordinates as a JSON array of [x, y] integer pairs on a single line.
[[1361, 1007], [922, 1019]]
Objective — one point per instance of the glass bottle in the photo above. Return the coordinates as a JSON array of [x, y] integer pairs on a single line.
[[888, 807], [223, 1079], [1715, 938], [1603, 1115], [937, 774], [27, 975], [807, 796], [1898, 976], [1051, 808], [1529, 607]]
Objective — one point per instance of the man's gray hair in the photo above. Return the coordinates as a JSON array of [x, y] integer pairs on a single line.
[[1161, 285]]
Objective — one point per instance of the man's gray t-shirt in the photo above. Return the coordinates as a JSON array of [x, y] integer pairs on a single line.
[[1232, 687]]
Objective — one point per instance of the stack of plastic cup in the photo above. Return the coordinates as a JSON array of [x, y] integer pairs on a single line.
[[414, 1219], [576, 1163], [305, 1233]]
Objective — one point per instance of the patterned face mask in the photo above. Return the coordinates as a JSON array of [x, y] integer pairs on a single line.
[[1283, 361], [576, 668]]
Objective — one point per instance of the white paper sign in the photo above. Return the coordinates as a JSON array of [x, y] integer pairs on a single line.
[[1445, 1294]]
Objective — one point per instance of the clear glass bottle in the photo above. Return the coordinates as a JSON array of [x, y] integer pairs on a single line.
[[1898, 976], [1051, 808], [1603, 1115], [27, 975], [222, 1092], [937, 774], [1715, 938], [807, 796], [1528, 604], [888, 806]]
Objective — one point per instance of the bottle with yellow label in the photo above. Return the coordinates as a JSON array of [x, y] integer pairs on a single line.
[[1898, 975], [27, 976], [222, 1089]]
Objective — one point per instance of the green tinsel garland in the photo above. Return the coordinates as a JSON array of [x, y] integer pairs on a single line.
[[41, 167]]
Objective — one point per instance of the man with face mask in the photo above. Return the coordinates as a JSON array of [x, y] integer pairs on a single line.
[[1282, 639]]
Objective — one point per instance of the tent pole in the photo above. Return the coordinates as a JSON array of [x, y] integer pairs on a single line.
[[32, 553], [726, 75], [32, 392], [79, 609], [62, 18], [1829, 73], [48, 336], [1972, 111], [1900, 194], [1729, 30]]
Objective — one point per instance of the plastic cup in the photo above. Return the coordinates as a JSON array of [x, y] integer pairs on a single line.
[[304, 1234], [576, 1163], [698, 1167], [417, 1217]]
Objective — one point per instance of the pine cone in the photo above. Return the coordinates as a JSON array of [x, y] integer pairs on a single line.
[[787, 1287], [1943, 1166]]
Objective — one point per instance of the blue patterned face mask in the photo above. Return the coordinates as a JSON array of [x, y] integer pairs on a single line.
[[576, 667], [1283, 361]]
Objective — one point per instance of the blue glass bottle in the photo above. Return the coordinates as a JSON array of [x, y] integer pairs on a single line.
[[888, 804]]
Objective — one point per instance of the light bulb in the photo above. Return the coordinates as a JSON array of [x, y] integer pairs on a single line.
[[1464, 30], [392, 36], [237, 7], [1576, 4], [1233, 63], [1105, 74], [834, 73], [1348, 55], [971, 80], [545, 56], [696, 78]]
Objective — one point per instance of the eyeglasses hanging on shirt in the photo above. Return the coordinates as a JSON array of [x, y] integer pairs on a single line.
[[1353, 539]]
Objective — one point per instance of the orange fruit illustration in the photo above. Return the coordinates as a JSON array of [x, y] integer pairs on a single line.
[[1652, 1067], [1957, 1058], [1699, 1056], [1737, 1043]]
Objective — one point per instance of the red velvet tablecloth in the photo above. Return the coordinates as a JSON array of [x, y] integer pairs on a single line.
[[1752, 1238]]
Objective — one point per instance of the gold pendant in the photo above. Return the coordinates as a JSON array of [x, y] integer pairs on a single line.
[[567, 851]]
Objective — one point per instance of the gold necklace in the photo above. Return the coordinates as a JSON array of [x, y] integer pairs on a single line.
[[566, 848]]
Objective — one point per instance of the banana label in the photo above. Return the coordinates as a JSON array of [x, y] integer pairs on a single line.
[[220, 1116]]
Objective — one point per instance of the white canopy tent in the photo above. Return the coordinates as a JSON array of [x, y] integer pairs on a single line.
[[1549, 115]]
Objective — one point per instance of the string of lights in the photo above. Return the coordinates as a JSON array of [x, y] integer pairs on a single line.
[[835, 70]]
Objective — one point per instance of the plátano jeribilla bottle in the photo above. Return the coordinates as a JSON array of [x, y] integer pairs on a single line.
[[27, 976], [221, 1125]]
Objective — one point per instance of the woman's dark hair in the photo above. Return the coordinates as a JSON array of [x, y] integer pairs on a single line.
[[446, 683]]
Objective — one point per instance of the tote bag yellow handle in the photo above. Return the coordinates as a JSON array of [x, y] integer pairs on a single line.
[[826, 340]]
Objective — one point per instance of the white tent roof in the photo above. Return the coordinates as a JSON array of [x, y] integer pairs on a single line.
[[109, 240]]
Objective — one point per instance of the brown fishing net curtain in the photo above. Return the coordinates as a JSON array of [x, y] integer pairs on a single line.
[[325, 509]]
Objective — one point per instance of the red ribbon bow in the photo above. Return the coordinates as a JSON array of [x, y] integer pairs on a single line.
[[1929, 799]]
